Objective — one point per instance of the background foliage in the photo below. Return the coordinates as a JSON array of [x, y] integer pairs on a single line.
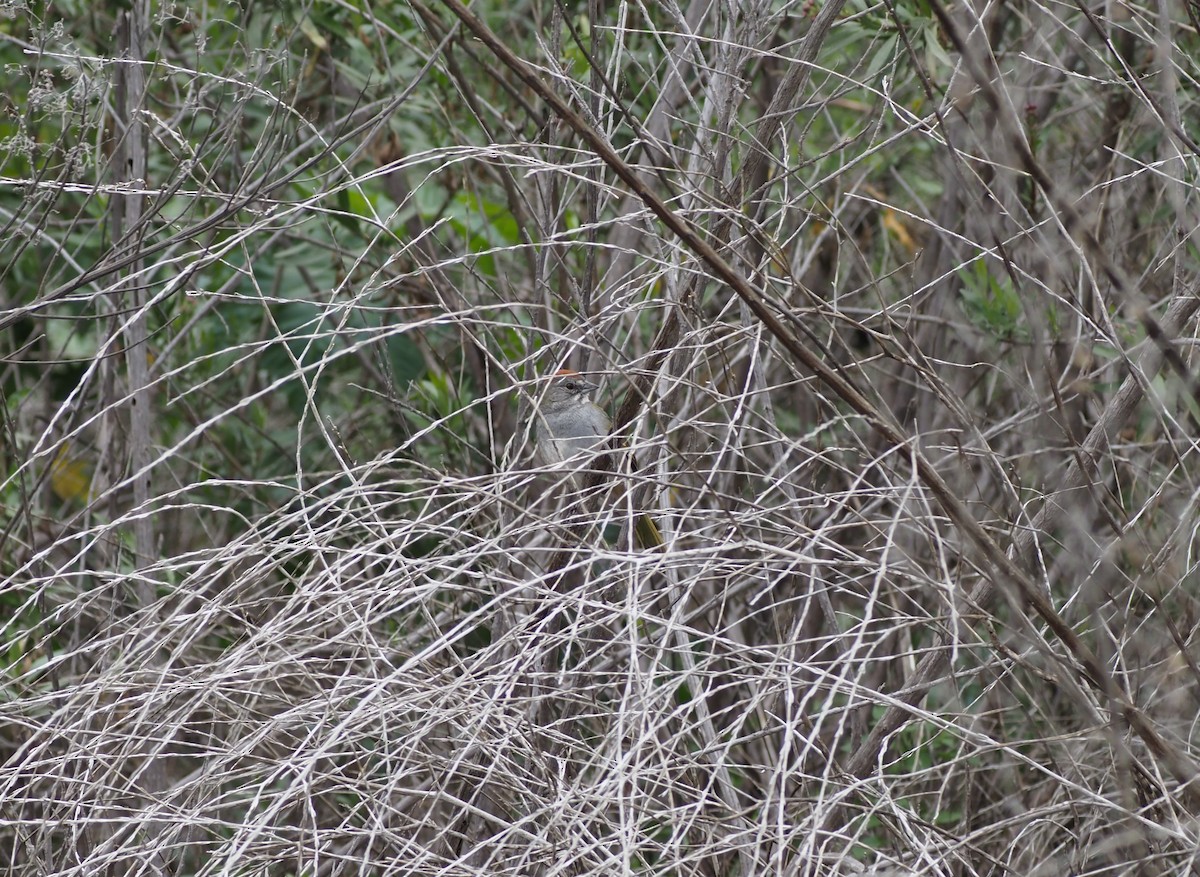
[[894, 305]]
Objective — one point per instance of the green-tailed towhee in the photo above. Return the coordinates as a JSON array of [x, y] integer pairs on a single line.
[[573, 429], [570, 425]]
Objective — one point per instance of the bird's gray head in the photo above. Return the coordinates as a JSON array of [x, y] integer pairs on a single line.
[[568, 388]]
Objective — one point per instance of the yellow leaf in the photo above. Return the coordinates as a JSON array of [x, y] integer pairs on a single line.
[[70, 476], [315, 36], [893, 223]]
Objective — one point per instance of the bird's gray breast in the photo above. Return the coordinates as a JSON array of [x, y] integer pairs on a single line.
[[579, 429]]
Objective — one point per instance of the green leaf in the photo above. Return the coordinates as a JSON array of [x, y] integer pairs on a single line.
[[408, 364], [990, 304]]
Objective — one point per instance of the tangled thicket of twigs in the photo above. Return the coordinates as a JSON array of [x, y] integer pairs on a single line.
[[893, 305]]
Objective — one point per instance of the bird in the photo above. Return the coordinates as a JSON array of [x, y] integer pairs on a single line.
[[570, 426], [572, 429]]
